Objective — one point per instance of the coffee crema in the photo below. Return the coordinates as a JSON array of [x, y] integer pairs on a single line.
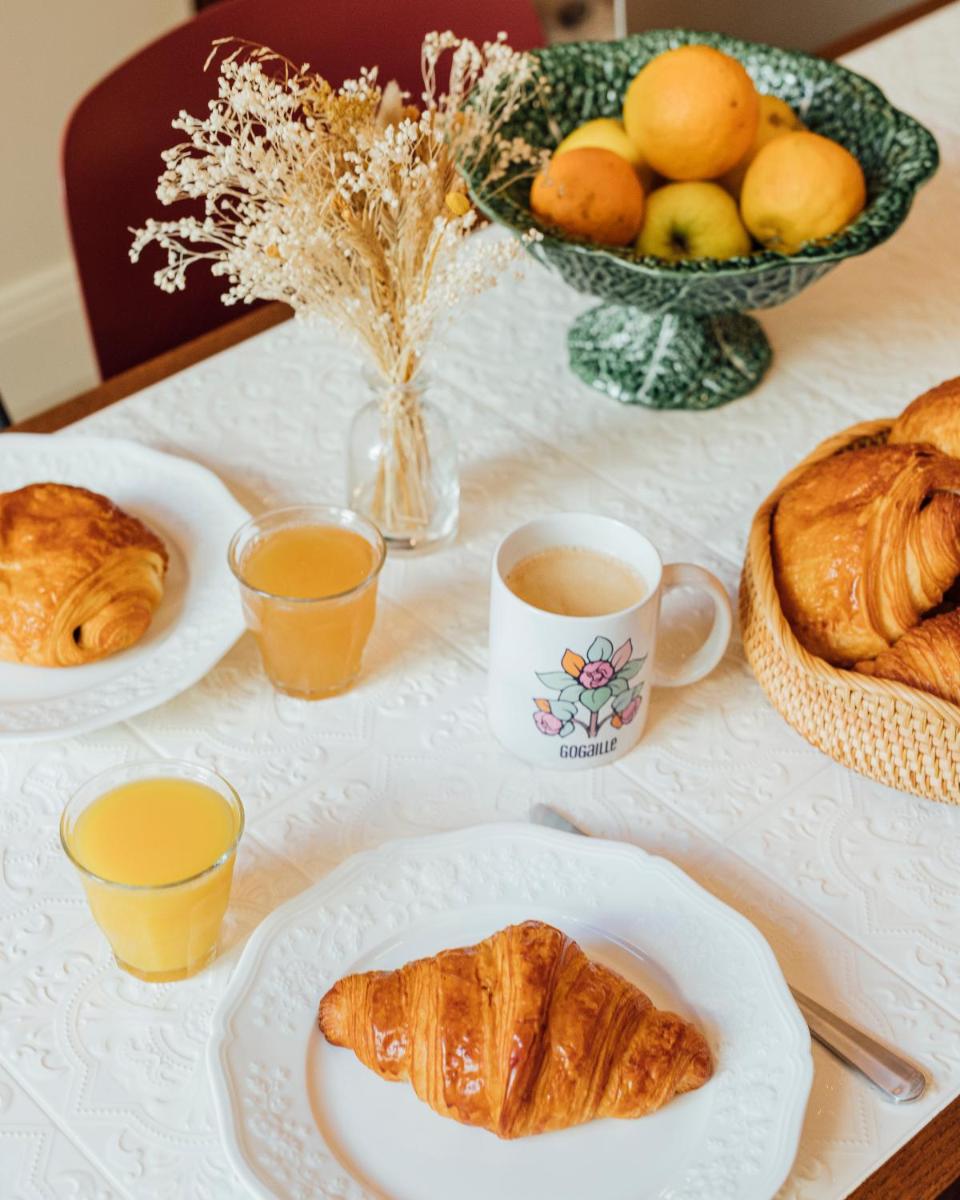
[[575, 581]]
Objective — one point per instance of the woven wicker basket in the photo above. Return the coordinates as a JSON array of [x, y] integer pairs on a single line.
[[888, 731]]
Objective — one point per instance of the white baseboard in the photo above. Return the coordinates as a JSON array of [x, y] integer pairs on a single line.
[[45, 354]]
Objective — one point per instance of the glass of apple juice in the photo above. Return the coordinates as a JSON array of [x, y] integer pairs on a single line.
[[155, 845], [308, 582]]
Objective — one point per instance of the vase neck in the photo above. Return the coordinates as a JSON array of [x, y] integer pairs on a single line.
[[392, 394]]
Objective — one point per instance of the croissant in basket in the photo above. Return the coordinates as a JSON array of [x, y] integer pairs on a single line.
[[79, 578], [853, 562], [864, 543], [519, 1034], [933, 418], [927, 657]]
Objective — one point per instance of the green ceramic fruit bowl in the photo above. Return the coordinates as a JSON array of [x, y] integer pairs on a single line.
[[675, 335]]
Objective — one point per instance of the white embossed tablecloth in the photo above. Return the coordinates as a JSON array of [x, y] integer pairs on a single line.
[[102, 1084]]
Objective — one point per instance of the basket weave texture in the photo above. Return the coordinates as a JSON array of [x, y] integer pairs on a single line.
[[887, 731]]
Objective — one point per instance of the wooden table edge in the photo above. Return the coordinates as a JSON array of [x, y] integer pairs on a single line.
[[923, 1166], [878, 29], [930, 1160]]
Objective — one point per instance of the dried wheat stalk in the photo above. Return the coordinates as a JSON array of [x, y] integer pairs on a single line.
[[350, 204]]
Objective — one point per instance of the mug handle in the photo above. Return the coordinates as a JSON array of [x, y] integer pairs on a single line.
[[702, 661]]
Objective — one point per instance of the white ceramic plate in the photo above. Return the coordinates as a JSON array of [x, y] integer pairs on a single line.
[[304, 1119], [199, 617]]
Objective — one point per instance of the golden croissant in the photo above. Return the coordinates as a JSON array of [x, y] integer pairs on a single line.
[[933, 418], [519, 1034], [927, 657], [79, 578], [864, 543]]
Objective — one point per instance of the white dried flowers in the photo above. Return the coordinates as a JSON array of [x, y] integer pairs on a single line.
[[346, 202]]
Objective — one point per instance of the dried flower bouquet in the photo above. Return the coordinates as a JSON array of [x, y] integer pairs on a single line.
[[349, 203]]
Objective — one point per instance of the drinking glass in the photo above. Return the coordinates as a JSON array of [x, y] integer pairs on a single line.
[[158, 932], [311, 646]]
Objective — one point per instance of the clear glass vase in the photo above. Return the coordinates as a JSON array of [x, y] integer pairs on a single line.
[[402, 470]]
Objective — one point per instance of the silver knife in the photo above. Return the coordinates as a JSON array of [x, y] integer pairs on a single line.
[[893, 1075]]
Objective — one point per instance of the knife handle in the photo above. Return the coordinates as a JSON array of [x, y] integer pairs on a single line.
[[888, 1071]]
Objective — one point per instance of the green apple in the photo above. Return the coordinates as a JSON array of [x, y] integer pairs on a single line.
[[608, 133], [692, 220]]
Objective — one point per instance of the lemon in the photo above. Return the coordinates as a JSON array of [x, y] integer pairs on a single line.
[[801, 187], [776, 119]]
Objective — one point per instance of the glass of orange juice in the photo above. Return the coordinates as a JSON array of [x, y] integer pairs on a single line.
[[308, 580], [155, 845]]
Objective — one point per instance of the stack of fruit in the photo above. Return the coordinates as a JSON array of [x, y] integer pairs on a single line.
[[700, 166]]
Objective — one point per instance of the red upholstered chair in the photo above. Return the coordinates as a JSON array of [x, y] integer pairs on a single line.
[[113, 139]]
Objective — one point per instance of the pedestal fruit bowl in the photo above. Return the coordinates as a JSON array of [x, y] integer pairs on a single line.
[[676, 335]]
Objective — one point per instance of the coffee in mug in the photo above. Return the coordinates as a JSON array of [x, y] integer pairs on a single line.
[[575, 581], [574, 611]]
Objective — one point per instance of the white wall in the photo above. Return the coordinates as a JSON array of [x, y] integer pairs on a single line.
[[51, 52]]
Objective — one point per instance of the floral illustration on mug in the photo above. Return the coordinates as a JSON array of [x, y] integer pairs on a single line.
[[586, 686]]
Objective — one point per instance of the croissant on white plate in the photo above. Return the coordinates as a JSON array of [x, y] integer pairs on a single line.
[[79, 578], [519, 1034]]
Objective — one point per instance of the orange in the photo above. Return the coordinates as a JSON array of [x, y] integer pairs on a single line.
[[590, 193], [799, 188], [693, 112], [776, 119]]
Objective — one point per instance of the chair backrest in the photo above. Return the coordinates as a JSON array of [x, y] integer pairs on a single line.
[[114, 137]]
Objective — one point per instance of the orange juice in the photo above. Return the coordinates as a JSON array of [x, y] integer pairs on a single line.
[[156, 856], [310, 594], [308, 562]]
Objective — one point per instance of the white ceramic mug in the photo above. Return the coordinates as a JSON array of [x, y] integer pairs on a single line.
[[572, 692]]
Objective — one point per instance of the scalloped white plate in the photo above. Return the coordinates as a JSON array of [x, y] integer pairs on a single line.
[[199, 617], [300, 1118]]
